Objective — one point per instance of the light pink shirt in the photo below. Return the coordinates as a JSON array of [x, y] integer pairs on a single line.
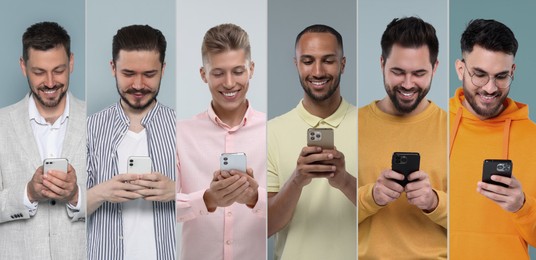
[[235, 232]]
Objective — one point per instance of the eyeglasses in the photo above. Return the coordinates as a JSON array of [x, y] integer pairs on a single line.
[[480, 79]]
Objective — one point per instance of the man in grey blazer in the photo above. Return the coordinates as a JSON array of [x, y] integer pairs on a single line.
[[42, 215]]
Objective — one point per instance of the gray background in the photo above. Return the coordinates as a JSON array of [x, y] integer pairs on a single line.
[[15, 17], [373, 19], [518, 16], [104, 18], [285, 20], [193, 95]]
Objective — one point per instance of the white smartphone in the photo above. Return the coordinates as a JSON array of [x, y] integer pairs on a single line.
[[233, 161], [58, 164], [139, 164]]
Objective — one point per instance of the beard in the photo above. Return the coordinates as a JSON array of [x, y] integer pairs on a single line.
[[138, 105], [332, 88], [402, 106], [48, 102], [488, 110]]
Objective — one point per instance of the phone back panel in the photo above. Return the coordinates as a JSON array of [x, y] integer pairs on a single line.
[[322, 137], [496, 167], [405, 163]]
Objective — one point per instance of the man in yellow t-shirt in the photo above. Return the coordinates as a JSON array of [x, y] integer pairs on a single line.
[[395, 221], [312, 191]]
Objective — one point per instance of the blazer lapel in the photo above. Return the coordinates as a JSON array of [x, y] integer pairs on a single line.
[[76, 128], [23, 131]]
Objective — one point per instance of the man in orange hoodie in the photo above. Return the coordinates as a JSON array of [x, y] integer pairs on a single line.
[[489, 221]]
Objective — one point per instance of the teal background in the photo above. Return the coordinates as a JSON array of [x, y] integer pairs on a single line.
[[15, 17], [518, 16]]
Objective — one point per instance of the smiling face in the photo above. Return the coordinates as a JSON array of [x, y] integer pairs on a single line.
[[227, 75], [48, 74], [137, 76], [407, 77], [320, 64], [486, 101]]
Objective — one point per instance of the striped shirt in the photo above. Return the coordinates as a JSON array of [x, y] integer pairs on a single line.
[[105, 131]]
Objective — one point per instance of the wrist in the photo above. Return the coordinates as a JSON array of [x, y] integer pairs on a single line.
[[211, 206], [433, 206]]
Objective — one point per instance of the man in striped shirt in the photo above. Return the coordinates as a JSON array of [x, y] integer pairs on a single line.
[[132, 215]]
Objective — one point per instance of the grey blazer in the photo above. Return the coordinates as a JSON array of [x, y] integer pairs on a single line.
[[54, 232]]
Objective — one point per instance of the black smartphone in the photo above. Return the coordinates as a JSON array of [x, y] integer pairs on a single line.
[[405, 163], [496, 167]]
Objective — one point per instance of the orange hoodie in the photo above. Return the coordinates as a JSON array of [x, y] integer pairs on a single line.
[[479, 228]]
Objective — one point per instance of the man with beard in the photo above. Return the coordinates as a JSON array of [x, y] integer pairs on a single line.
[[132, 216], [490, 221], [312, 191], [43, 211], [395, 221]]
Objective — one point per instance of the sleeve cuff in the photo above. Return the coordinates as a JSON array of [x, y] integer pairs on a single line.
[[439, 214], [190, 206], [260, 208], [366, 204], [31, 206], [77, 206]]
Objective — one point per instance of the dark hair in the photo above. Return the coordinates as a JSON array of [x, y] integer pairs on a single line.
[[44, 36], [139, 38], [321, 28], [490, 35], [410, 32], [225, 37]]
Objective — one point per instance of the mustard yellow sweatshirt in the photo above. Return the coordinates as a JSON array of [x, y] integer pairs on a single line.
[[400, 230], [479, 228]]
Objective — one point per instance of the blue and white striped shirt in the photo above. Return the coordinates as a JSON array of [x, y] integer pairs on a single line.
[[105, 131]]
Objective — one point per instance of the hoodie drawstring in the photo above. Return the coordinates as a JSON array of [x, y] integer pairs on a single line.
[[506, 137], [454, 130]]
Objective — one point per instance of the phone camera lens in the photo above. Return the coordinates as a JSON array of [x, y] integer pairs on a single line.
[[312, 138], [403, 159], [131, 160], [131, 164], [225, 158], [312, 133], [225, 163]]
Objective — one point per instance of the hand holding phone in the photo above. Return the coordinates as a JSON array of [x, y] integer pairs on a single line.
[[405, 163], [496, 167]]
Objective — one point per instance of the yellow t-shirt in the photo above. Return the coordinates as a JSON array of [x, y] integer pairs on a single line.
[[401, 230], [324, 221]]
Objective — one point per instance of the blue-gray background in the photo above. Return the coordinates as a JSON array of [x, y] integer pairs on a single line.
[[285, 20], [373, 17], [15, 17], [104, 18], [518, 16]]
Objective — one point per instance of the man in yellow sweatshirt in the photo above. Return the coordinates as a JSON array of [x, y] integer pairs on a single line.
[[490, 221], [395, 221]]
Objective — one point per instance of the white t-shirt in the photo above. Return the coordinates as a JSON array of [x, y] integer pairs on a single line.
[[138, 220]]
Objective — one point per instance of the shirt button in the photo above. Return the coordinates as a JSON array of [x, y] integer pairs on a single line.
[[229, 214], [52, 202], [228, 242]]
